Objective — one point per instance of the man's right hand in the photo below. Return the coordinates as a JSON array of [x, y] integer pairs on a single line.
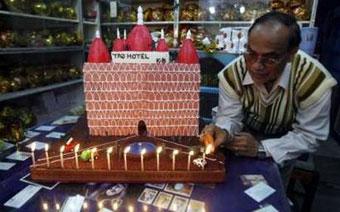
[[219, 135]]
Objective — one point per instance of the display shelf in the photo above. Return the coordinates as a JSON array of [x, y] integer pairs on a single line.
[[134, 23], [24, 15], [29, 50], [233, 23], [17, 94]]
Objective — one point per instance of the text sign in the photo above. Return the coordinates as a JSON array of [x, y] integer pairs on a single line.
[[140, 57]]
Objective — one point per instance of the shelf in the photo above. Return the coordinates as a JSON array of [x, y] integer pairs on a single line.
[[238, 23], [25, 50], [211, 90], [17, 94], [90, 23], [134, 23], [24, 15]]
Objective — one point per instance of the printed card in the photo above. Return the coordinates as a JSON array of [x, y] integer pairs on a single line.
[[252, 179], [18, 200], [179, 204], [66, 120], [45, 128], [6, 165], [31, 134], [47, 185], [38, 145], [184, 189], [73, 204], [56, 135], [20, 156], [259, 191], [196, 206], [267, 208], [156, 185], [147, 196], [163, 200]]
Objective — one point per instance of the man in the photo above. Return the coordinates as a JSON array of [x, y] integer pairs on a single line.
[[274, 101]]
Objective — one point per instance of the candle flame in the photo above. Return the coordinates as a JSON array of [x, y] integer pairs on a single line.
[[208, 149], [94, 150], [62, 148], [57, 206], [175, 152], [33, 146], [130, 208], [159, 149], [46, 147], [109, 150], [191, 153], [45, 206], [115, 206], [143, 151], [127, 149], [85, 206], [69, 141], [76, 148]]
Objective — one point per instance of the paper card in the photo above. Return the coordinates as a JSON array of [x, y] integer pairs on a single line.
[[45, 128], [38, 145], [73, 204], [20, 156], [259, 191], [22, 197], [47, 185], [155, 185], [66, 120], [57, 135], [179, 204], [31, 134], [267, 208], [196, 206], [6, 165], [252, 179], [147, 196], [184, 189], [7, 146], [163, 200]]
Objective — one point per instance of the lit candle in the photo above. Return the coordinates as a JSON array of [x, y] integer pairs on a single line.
[[130, 208], [57, 206], [174, 153], [85, 206], [108, 152], [142, 159], [32, 151], [206, 152], [62, 148], [69, 141], [159, 150], [191, 153], [45, 206], [126, 150], [76, 148], [46, 154], [92, 156], [115, 206]]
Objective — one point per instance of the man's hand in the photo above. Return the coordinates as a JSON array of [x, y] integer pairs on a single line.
[[244, 144], [212, 131]]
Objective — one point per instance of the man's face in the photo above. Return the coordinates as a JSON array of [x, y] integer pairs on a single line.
[[267, 52]]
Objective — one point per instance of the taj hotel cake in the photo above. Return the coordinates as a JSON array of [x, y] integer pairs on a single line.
[[141, 122]]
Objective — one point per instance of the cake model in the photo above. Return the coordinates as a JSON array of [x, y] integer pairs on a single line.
[[141, 121]]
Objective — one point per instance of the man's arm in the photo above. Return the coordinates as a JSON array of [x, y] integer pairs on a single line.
[[229, 113], [311, 125]]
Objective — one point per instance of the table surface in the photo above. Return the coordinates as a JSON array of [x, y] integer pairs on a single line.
[[227, 196]]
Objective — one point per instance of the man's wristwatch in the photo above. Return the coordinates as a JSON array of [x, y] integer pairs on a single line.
[[261, 152]]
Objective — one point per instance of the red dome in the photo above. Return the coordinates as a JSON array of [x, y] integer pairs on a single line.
[[139, 39], [162, 46], [187, 53], [118, 45], [98, 52]]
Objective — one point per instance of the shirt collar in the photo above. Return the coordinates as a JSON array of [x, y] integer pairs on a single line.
[[283, 81]]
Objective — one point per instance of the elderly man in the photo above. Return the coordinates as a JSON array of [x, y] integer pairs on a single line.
[[274, 100]]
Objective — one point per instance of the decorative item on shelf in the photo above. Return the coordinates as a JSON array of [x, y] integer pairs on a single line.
[[168, 12], [98, 52], [187, 53], [139, 39], [118, 43], [18, 5], [161, 45]]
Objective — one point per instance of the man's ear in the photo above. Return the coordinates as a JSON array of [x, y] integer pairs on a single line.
[[292, 52]]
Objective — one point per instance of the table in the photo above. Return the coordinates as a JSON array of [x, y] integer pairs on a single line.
[[227, 196]]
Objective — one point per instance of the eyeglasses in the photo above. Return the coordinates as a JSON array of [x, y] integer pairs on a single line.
[[268, 61]]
